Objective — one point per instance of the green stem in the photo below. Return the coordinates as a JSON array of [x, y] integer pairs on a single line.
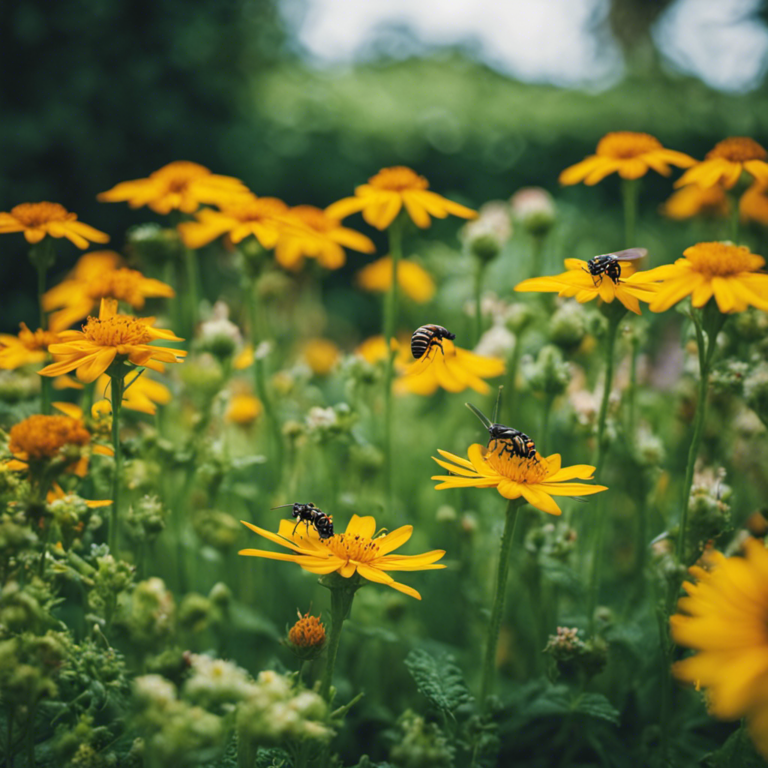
[[45, 537], [514, 364], [9, 738], [733, 222], [629, 190], [548, 401], [480, 269], [192, 269], [537, 266], [42, 257], [632, 392], [497, 611], [390, 322], [117, 385], [341, 604]]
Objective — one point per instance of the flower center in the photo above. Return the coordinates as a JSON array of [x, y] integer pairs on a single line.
[[398, 179], [121, 284], [737, 149], [722, 259], [516, 468], [350, 547], [36, 214], [41, 437], [257, 209], [622, 145], [37, 340], [116, 330], [178, 175], [313, 218]]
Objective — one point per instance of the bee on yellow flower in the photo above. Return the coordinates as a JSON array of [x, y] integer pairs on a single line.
[[725, 163], [36, 220], [415, 282]]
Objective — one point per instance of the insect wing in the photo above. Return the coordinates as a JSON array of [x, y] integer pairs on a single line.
[[631, 254]]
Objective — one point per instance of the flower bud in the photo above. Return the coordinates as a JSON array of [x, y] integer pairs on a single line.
[[568, 325], [489, 232], [306, 638], [550, 374], [497, 341], [149, 243], [534, 209]]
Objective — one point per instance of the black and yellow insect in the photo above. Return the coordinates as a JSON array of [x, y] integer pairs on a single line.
[[513, 441], [608, 264], [428, 335], [309, 514]]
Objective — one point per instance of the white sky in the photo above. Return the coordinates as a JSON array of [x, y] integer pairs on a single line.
[[539, 40]]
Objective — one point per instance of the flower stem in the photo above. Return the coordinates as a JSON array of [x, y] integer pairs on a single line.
[[492, 639], [480, 269], [341, 603], [733, 221], [390, 322], [514, 364], [192, 269], [117, 387], [629, 191], [42, 256]]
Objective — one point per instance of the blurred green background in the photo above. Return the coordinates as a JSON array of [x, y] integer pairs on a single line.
[[99, 91]]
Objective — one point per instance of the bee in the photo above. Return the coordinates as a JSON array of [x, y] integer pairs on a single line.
[[423, 338], [513, 441], [608, 264], [309, 514]]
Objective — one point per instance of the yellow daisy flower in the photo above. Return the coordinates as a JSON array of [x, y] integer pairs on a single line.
[[381, 199], [454, 369], [97, 276], [414, 281], [725, 163], [321, 355], [629, 154], [725, 619], [36, 220], [181, 185], [727, 272], [537, 480], [107, 338], [578, 283], [694, 200], [262, 217], [317, 236], [753, 205], [243, 409], [374, 349], [357, 550], [28, 348]]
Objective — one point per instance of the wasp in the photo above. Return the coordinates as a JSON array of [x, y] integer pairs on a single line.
[[423, 338], [608, 264], [309, 514], [513, 441]]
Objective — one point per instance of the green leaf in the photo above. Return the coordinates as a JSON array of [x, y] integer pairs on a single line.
[[596, 705], [737, 751], [439, 680]]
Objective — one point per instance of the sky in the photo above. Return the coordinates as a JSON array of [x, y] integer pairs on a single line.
[[555, 41]]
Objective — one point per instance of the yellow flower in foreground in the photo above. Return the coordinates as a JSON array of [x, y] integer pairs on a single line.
[[179, 186], [727, 272], [753, 205], [381, 199], [454, 371], [262, 217], [243, 409], [414, 281], [725, 618], [725, 163], [111, 337], [28, 348], [321, 355], [97, 278], [578, 283], [694, 200], [354, 551], [536, 480], [628, 154], [315, 235], [36, 220]]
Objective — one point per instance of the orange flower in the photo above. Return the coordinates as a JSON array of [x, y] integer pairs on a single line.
[[36, 220], [726, 162], [753, 205], [28, 348]]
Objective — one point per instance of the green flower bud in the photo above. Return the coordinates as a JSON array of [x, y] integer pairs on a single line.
[[568, 325], [549, 375], [534, 208], [150, 243], [421, 744], [16, 386], [216, 529]]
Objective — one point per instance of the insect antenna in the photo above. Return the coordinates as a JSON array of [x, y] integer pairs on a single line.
[[480, 415], [282, 506], [497, 407]]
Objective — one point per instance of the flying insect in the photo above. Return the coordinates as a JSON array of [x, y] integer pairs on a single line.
[[310, 515], [608, 264], [423, 338]]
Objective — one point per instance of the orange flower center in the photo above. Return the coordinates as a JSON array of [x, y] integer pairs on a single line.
[[178, 175], [352, 547], [42, 437], [116, 331], [737, 149], [257, 209], [307, 632], [515, 468], [313, 218], [623, 145], [722, 259], [38, 340], [398, 179], [121, 284], [37, 214]]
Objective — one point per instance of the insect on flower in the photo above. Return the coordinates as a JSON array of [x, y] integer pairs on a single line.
[[513, 441], [309, 514], [609, 264], [428, 335]]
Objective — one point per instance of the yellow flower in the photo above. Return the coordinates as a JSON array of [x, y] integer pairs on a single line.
[[354, 551], [321, 355], [374, 349], [628, 154], [577, 282], [316, 235], [109, 337], [725, 163], [753, 205], [36, 220], [181, 185], [725, 618], [243, 409], [97, 276], [537, 480], [262, 217], [28, 348], [388, 191], [727, 272], [694, 200], [454, 369], [414, 281]]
